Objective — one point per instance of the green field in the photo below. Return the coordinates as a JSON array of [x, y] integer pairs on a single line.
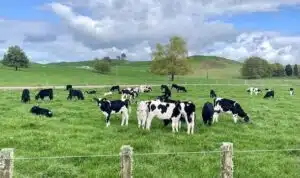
[[78, 128]]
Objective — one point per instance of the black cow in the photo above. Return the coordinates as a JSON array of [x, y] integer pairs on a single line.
[[76, 93], [25, 96], [269, 94], [222, 105], [45, 93], [68, 87], [116, 87], [166, 92], [91, 92], [114, 107], [178, 88], [207, 113], [212, 94], [41, 111]]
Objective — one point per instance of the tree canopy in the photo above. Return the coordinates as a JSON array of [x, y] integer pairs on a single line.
[[256, 67], [15, 57], [102, 66]]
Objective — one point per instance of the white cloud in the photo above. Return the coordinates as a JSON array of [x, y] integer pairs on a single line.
[[98, 28]]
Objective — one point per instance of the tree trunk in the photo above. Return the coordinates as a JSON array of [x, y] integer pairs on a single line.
[[172, 77], [16, 68]]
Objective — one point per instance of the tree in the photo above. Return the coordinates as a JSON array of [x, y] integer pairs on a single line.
[[102, 66], [278, 70], [170, 59], [119, 57], [296, 72], [107, 58], [256, 67], [123, 56], [15, 57], [288, 70]]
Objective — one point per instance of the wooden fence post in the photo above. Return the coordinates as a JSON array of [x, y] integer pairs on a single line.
[[126, 161], [226, 160], [6, 162]]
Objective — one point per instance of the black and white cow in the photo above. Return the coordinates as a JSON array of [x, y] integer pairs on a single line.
[[212, 94], [75, 93], [45, 93], [269, 94], [41, 111], [178, 88], [167, 111], [207, 113], [128, 94], [254, 90], [291, 91], [114, 107], [114, 88], [91, 92], [68, 87], [145, 89], [25, 96], [222, 105]]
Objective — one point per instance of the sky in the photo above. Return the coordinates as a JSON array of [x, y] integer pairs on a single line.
[[77, 30]]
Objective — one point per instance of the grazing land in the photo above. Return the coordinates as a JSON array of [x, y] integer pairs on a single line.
[[78, 128]]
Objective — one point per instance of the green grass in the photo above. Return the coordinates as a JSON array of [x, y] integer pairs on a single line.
[[78, 128]]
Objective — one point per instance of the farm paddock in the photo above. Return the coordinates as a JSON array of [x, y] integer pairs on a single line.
[[78, 128]]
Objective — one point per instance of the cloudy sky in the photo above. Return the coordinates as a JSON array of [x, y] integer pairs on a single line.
[[73, 30]]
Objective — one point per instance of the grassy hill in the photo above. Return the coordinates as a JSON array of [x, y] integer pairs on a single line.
[[123, 72]]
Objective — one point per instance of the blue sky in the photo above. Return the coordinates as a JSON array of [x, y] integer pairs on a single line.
[[100, 29]]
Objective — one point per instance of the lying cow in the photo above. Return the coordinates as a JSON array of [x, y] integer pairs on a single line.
[[41, 111], [114, 107], [207, 113], [178, 88], [167, 111], [222, 105], [145, 89], [269, 94], [212, 94], [75, 93], [253, 90], [45, 93], [25, 96]]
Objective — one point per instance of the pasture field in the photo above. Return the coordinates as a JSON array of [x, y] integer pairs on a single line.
[[78, 128]]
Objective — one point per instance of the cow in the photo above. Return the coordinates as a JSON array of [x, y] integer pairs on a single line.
[[75, 93], [45, 93], [291, 91], [68, 87], [114, 107], [269, 94], [222, 105], [25, 96], [168, 111], [178, 88], [129, 93], [116, 87], [166, 92], [145, 89], [91, 92], [253, 90], [41, 111], [207, 113], [212, 94]]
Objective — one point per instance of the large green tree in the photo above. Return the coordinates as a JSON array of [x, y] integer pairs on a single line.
[[15, 57], [289, 70], [256, 67], [171, 59], [102, 66], [278, 70]]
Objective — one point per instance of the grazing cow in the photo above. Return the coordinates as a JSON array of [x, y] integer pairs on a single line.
[[91, 92], [114, 107], [25, 96], [68, 87], [168, 111], [291, 91], [107, 93], [212, 94], [41, 111], [76, 93], [207, 113], [178, 88], [222, 105], [252, 89], [116, 87], [129, 93], [269, 94], [145, 89], [45, 93]]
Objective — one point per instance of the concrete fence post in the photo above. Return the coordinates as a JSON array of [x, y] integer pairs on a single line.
[[6, 162], [226, 160], [126, 161]]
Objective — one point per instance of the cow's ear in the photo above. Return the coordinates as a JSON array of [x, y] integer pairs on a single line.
[[103, 99]]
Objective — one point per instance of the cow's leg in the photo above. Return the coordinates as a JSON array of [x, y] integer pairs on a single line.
[[148, 122], [215, 117], [173, 125], [107, 118], [235, 118], [126, 117]]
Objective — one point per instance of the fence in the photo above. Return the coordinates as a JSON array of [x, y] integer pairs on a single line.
[[126, 159]]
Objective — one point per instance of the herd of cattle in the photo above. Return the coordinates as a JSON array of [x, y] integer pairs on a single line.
[[161, 107]]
